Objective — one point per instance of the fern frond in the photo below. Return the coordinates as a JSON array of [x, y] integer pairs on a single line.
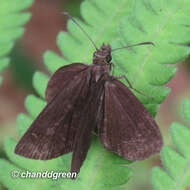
[[165, 23], [102, 19], [12, 18], [176, 163]]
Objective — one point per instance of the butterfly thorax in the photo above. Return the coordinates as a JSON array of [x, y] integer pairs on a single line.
[[102, 58]]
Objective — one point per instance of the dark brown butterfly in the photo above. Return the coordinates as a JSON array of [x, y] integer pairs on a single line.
[[82, 98]]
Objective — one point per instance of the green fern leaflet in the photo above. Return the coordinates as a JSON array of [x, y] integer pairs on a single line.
[[177, 163], [150, 67], [11, 21]]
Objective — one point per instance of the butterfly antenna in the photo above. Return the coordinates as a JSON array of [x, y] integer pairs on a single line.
[[139, 44], [66, 13]]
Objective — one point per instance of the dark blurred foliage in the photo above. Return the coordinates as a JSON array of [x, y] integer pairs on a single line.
[[187, 61], [72, 6], [22, 67]]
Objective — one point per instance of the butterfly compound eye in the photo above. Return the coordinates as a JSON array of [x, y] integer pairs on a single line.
[[108, 58]]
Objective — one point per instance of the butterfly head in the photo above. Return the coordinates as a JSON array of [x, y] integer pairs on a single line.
[[102, 56]]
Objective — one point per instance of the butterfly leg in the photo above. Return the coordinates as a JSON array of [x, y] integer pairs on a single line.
[[112, 69], [130, 86]]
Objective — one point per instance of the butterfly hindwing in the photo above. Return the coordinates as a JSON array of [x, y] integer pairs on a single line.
[[128, 128], [91, 116]]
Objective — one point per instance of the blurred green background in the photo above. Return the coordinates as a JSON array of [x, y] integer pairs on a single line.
[[27, 57]]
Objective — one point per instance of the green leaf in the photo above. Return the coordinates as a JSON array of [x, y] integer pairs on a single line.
[[102, 170], [40, 86], [186, 111], [11, 22], [150, 67], [23, 121], [102, 166], [75, 46], [19, 183], [34, 105], [177, 164], [0, 80]]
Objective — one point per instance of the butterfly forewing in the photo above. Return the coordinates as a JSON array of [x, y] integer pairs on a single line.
[[128, 129], [52, 133], [61, 77]]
